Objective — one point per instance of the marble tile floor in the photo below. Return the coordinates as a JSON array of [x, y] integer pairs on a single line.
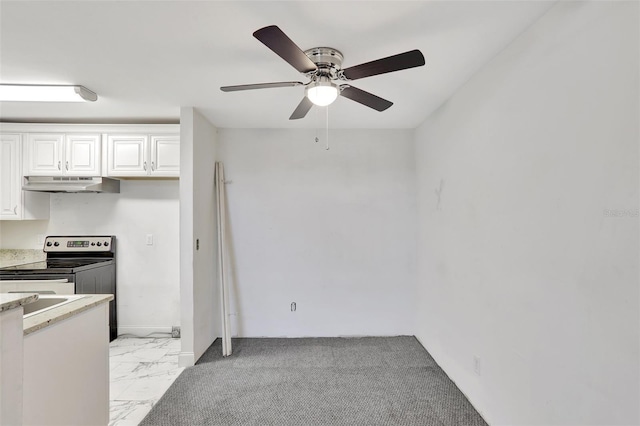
[[141, 370]]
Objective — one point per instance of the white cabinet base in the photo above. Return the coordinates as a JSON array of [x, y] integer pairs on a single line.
[[11, 367], [66, 371]]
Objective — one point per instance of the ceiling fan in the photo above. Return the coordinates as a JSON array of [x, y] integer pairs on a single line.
[[323, 66]]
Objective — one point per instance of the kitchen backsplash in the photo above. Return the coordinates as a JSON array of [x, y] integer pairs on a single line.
[[9, 257]]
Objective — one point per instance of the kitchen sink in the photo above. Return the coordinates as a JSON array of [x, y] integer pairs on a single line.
[[45, 303]]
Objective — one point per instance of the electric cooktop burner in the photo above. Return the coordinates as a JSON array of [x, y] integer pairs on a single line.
[[57, 264]]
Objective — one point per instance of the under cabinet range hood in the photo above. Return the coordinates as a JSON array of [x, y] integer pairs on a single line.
[[70, 184]]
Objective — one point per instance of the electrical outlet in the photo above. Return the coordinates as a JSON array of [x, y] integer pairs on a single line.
[[175, 332], [39, 240], [476, 364], [149, 239]]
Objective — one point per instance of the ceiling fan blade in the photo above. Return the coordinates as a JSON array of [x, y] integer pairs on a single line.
[[365, 98], [401, 61], [276, 40], [260, 86], [302, 109]]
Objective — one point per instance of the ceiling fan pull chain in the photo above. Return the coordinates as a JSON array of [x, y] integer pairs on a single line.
[[327, 129], [317, 113]]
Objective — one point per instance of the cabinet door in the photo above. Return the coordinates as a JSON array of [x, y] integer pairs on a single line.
[[165, 155], [127, 155], [10, 177], [82, 155], [44, 154]]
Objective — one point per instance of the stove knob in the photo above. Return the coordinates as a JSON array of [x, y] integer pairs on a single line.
[[98, 243], [49, 244], [93, 244], [56, 244], [106, 243]]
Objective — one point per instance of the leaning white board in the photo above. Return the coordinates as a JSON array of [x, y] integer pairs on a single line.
[[221, 204]]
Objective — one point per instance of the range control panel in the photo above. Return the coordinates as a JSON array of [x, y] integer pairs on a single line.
[[79, 244]]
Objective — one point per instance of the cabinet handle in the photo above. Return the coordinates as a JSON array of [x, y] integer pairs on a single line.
[[15, 209], [58, 165], [153, 166], [67, 165], [145, 166]]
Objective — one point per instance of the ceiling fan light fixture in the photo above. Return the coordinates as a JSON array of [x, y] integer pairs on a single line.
[[45, 93], [322, 92]]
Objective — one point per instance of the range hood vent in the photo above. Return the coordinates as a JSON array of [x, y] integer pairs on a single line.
[[70, 184]]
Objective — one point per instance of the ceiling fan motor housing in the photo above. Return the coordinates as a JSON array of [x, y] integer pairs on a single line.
[[327, 59]]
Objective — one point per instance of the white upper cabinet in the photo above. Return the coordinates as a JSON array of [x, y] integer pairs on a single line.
[[82, 155], [14, 203], [127, 155], [143, 155], [44, 154], [10, 179], [165, 155], [58, 154]]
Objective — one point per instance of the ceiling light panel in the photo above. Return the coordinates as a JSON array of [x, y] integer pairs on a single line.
[[45, 93]]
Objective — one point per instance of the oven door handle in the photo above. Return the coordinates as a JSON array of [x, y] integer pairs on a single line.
[[38, 285]]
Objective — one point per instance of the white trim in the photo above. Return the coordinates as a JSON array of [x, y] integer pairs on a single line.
[[186, 359], [143, 331], [91, 128]]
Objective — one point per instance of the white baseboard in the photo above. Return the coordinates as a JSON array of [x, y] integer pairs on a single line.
[[186, 359], [144, 331]]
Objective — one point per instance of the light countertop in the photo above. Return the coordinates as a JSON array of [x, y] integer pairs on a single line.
[[15, 300], [51, 316], [11, 257]]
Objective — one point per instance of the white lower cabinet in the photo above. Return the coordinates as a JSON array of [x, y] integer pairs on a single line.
[[143, 155], [11, 366], [66, 371], [16, 204]]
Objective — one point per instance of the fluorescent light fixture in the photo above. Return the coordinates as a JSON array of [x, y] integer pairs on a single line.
[[45, 93], [322, 92]]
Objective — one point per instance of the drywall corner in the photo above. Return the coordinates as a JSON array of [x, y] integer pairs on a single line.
[[200, 317], [186, 236]]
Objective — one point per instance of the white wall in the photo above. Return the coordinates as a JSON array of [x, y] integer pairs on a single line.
[[333, 231], [200, 310], [520, 264], [148, 296]]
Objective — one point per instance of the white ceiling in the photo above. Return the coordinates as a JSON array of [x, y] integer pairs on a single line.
[[147, 59]]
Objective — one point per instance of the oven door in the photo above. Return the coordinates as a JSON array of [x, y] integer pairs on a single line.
[[40, 286]]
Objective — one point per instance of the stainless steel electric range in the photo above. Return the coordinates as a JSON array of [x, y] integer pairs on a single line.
[[73, 265]]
